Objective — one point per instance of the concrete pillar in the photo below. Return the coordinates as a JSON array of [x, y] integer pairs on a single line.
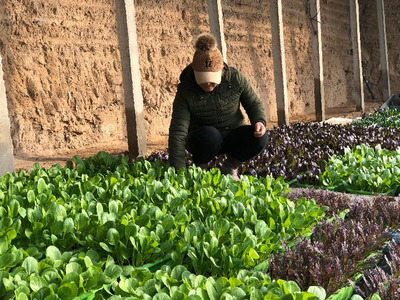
[[278, 50], [217, 25], [383, 49], [316, 45], [357, 63], [7, 163], [133, 96]]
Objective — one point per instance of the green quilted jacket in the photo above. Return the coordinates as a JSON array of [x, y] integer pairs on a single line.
[[193, 108]]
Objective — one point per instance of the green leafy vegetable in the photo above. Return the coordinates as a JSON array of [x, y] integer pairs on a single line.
[[107, 226], [364, 169]]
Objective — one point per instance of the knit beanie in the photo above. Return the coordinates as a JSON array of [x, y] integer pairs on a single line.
[[207, 60]]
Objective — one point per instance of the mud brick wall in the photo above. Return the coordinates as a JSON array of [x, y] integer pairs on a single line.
[[62, 74]]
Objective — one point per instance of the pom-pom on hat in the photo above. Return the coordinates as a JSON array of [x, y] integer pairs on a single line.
[[207, 60]]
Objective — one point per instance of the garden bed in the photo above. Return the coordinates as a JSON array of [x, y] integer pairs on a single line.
[[108, 228]]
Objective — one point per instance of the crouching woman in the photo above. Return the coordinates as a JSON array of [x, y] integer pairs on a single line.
[[207, 119]]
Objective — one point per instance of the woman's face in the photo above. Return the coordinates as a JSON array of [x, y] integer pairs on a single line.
[[208, 86]]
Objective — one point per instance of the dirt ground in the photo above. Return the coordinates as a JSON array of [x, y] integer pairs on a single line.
[[336, 115]]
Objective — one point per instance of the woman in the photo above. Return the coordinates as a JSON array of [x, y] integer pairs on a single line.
[[207, 119]]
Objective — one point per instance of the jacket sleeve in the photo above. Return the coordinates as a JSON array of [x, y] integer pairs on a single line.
[[178, 131], [251, 102]]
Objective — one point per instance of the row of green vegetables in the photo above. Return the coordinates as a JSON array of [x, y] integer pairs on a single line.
[[88, 276], [105, 228], [364, 170], [388, 117], [95, 227]]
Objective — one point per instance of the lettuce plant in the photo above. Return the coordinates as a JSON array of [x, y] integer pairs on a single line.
[[387, 117], [363, 168]]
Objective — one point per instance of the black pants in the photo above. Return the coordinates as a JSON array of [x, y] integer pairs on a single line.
[[207, 142]]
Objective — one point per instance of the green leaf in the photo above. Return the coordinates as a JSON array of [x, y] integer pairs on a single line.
[[177, 272], [343, 294], [67, 291], [81, 168], [22, 295], [143, 220], [149, 287], [190, 233], [168, 222], [128, 284], [376, 296], [235, 282], [113, 237], [99, 209], [72, 277], [253, 254], [272, 224], [126, 194], [161, 296], [31, 265], [113, 272], [262, 229], [221, 227], [41, 185], [211, 290], [53, 253], [37, 282], [317, 291], [181, 217], [3, 245], [68, 226], [81, 221], [105, 247], [11, 234], [88, 262], [113, 207], [195, 297], [30, 195], [288, 297], [7, 260], [8, 284], [13, 208], [356, 297], [73, 267], [290, 287], [93, 255], [238, 293], [57, 227], [50, 275], [213, 245]]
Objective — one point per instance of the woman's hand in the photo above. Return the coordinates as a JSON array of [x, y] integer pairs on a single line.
[[259, 129]]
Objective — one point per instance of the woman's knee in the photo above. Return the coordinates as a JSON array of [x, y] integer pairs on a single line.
[[207, 134], [245, 145], [204, 143]]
